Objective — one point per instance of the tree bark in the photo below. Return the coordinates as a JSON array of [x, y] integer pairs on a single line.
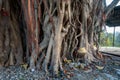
[[52, 30]]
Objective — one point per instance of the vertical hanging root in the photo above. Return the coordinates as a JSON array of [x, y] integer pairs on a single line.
[[67, 12], [47, 57], [58, 40]]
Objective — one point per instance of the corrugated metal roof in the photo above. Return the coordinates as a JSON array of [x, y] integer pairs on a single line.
[[114, 18]]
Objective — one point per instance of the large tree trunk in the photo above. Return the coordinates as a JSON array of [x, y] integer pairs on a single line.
[[49, 31], [11, 51]]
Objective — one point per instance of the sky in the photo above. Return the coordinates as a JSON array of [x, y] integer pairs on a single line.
[[109, 1], [110, 29]]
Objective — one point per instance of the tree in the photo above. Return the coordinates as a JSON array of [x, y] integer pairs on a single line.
[[10, 52], [106, 39], [117, 41], [110, 37], [52, 30]]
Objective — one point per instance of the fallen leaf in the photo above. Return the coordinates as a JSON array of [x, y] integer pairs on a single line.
[[67, 61], [82, 66], [87, 70], [76, 65], [99, 67], [24, 66], [68, 76], [65, 71]]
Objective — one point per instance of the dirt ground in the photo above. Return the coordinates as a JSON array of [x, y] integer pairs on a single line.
[[108, 69]]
